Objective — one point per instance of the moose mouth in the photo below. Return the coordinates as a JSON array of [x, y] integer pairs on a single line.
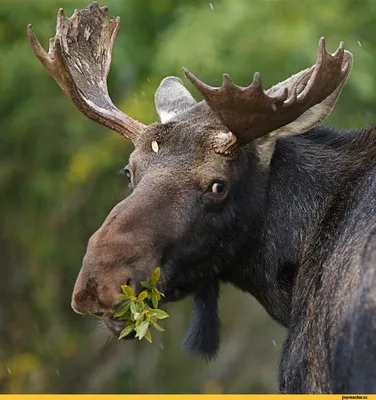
[[203, 335], [116, 325]]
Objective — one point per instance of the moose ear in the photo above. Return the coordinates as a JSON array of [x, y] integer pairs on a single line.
[[172, 98], [317, 112]]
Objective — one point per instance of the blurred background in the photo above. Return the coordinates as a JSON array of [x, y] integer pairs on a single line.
[[58, 181]]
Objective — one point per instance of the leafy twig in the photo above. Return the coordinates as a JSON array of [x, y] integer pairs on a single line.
[[138, 314]]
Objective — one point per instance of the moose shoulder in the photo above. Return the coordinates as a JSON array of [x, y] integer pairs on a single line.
[[243, 187]]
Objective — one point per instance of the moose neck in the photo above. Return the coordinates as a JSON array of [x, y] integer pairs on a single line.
[[302, 181]]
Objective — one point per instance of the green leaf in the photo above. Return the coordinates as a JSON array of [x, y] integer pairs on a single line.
[[126, 331], [125, 317], [136, 316], [139, 319], [155, 276], [147, 308], [140, 306], [128, 290], [123, 309], [143, 295], [158, 294], [159, 314], [148, 336], [154, 299], [157, 327], [142, 329], [124, 297], [134, 307], [147, 285]]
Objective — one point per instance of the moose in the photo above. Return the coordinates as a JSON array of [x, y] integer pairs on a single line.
[[244, 187]]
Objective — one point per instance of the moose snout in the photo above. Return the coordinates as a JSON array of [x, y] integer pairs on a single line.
[[96, 295], [104, 270], [114, 257]]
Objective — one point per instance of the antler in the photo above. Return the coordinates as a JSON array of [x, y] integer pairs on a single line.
[[79, 59], [250, 113]]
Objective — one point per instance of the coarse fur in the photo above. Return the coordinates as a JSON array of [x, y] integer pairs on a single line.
[[321, 212], [223, 191], [292, 235], [203, 335]]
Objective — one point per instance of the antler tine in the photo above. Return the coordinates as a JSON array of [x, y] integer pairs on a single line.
[[79, 59], [327, 73], [227, 81], [250, 112], [60, 16], [229, 85], [256, 82], [202, 87], [36, 47]]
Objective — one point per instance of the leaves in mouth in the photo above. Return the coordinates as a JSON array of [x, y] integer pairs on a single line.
[[138, 314]]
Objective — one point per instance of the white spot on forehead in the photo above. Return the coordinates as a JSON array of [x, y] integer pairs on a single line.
[[154, 146]]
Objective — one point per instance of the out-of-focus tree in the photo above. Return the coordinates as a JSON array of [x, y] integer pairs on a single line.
[[58, 182]]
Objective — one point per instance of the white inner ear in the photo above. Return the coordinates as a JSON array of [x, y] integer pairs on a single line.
[[166, 116]]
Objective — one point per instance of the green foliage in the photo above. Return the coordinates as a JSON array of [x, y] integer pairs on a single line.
[[136, 311]]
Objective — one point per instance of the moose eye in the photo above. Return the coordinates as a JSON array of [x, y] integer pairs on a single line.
[[125, 171], [218, 187], [215, 194], [128, 174]]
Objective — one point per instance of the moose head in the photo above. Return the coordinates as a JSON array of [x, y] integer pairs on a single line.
[[198, 177]]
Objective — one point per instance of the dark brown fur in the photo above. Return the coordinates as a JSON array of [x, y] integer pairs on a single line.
[[234, 196], [301, 228]]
